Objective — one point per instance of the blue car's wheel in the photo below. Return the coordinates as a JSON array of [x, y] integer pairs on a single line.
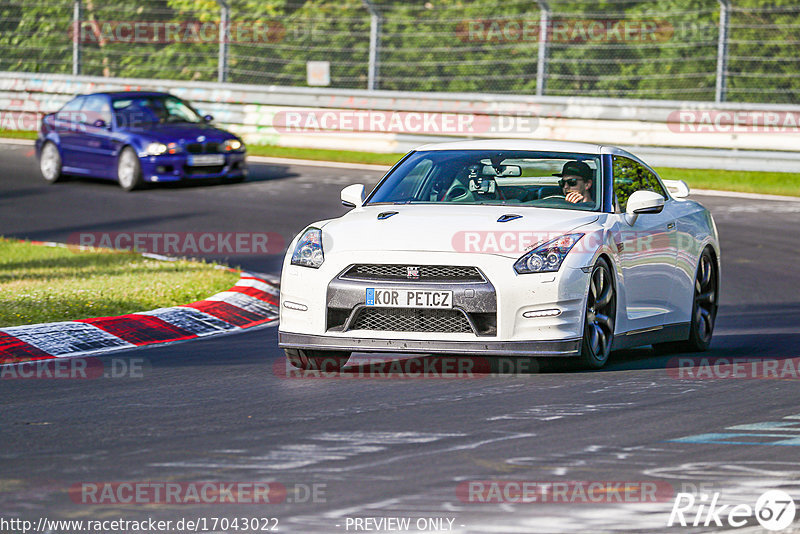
[[50, 163], [129, 170]]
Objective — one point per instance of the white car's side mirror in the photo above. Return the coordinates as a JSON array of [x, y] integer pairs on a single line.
[[677, 188], [353, 196], [642, 202]]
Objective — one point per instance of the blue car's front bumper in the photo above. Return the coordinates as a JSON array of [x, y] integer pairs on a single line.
[[171, 168]]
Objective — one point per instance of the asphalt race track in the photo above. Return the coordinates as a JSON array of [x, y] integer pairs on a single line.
[[223, 410]]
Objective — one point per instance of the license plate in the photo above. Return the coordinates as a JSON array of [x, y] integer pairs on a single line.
[[204, 160], [409, 298]]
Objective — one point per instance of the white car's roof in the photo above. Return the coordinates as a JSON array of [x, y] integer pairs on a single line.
[[526, 144]]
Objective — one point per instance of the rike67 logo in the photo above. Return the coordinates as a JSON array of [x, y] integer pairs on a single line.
[[774, 510]]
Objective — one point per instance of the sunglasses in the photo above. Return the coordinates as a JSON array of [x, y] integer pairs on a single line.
[[572, 182]]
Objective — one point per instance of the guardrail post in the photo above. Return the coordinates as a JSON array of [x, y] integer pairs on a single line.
[[722, 51], [374, 45], [224, 23], [76, 37], [544, 34]]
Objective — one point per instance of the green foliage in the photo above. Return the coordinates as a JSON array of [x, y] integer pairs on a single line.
[[438, 45]]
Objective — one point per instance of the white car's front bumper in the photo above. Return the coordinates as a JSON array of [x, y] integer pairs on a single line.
[[508, 314]]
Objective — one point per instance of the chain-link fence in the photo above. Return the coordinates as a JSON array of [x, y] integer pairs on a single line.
[[734, 50]]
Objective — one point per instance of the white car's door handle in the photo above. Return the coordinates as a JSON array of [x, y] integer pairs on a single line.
[[670, 226]]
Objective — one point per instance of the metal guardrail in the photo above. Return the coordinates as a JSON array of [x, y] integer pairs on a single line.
[[649, 128]]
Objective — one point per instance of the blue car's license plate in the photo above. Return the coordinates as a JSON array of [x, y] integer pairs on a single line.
[[205, 160]]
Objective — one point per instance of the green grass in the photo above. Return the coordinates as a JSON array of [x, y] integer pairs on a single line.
[[771, 183], [41, 284], [18, 134], [345, 156]]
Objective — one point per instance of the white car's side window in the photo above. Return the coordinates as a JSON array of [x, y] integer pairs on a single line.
[[629, 177]]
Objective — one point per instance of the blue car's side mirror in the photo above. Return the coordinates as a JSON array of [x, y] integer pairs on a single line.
[[208, 118], [100, 123]]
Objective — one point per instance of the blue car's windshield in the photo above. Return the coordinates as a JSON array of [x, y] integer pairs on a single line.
[[153, 109], [538, 179]]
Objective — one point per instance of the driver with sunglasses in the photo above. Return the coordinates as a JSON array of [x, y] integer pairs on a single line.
[[576, 182]]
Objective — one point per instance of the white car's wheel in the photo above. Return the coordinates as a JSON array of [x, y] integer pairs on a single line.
[[129, 170], [704, 309], [600, 317], [317, 360], [50, 163]]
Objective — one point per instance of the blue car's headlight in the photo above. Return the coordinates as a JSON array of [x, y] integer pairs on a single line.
[[308, 251], [547, 257], [156, 149], [232, 145]]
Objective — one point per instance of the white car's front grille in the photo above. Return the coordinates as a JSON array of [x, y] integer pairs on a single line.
[[411, 320], [423, 273]]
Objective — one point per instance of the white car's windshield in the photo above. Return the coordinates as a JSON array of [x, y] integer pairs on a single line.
[[543, 179]]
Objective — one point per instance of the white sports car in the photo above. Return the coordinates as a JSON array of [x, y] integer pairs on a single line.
[[509, 248]]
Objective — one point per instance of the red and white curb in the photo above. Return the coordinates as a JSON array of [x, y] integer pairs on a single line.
[[251, 302]]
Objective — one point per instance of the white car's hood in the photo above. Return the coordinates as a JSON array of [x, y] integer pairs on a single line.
[[448, 227]]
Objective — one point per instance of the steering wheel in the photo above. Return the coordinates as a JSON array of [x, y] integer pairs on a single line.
[[456, 193], [561, 197]]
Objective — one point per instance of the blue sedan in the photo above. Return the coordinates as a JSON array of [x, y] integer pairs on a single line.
[[136, 137]]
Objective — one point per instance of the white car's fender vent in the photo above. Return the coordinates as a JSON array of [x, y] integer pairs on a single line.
[[405, 273], [412, 320]]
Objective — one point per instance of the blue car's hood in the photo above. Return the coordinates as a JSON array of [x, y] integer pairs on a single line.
[[182, 132]]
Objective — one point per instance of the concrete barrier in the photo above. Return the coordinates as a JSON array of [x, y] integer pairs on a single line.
[[664, 133]]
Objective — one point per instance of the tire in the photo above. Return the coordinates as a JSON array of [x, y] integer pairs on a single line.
[[50, 163], [129, 170], [317, 360], [599, 317], [704, 310], [236, 180]]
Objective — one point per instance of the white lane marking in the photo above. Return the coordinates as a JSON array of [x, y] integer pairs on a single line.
[[385, 438], [334, 446], [557, 411], [14, 141], [738, 194]]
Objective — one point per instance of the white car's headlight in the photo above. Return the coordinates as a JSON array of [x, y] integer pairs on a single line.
[[156, 149], [308, 251], [232, 144], [547, 257]]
